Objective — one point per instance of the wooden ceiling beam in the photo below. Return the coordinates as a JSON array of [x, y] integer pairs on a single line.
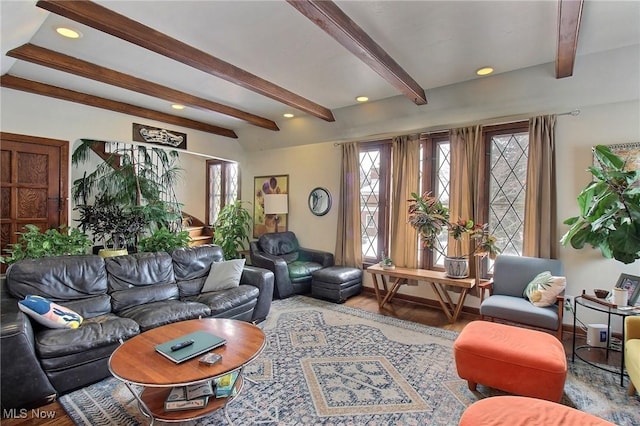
[[332, 20], [38, 88], [569, 17], [110, 22], [61, 62]]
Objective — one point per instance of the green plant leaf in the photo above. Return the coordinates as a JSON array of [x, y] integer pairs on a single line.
[[607, 158], [609, 210]]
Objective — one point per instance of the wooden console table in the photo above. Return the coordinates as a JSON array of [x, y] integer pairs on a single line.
[[438, 281]]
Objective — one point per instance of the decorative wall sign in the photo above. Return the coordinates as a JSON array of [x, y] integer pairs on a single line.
[[150, 134], [263, 223]]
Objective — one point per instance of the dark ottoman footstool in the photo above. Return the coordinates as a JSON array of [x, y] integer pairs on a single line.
[[336, 283]]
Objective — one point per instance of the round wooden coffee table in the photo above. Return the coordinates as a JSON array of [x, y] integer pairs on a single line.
[[136, 362]]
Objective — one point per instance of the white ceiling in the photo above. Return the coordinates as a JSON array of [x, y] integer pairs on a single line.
[[438, 43]]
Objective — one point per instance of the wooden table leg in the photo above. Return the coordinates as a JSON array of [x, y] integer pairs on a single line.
[[394, 290], [463, 295], [452, 306], [376, 289], [450, 309], [445, 308]]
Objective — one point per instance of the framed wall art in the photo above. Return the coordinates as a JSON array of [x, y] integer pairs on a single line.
[[631, 283], [263, 221]]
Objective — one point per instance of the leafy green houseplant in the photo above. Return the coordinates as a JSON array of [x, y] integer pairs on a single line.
[[232, 229], [34, 244], [110, 224], [163, 239], [609, 206], [430, 218], [386, 262], [130, 188]]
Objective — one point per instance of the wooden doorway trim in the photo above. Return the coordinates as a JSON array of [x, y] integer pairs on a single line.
[[57, 209]]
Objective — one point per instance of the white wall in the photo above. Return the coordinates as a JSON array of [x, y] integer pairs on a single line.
[[609, 124], [34, 115], [308, 167]]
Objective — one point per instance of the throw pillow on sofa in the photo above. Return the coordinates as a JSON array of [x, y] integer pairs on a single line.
[[224, 275], [544, 288], [48, 313]]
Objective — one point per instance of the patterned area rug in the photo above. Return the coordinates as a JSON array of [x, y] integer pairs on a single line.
[[331, 364]]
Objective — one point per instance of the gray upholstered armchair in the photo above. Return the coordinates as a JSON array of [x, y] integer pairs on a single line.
[[291, 264], [506, 301]]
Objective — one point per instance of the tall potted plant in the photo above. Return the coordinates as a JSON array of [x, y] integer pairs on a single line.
[[609, 206], [114, 227], [232, 229], [430, 218], [136, 181]]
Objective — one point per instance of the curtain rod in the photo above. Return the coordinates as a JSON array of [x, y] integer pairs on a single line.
[[572, 113]]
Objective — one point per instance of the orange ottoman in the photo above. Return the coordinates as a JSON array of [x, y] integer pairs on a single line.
[[515, 360], [522, 411]]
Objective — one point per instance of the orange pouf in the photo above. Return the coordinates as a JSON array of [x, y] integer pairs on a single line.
[[515, 360], [522, 411]]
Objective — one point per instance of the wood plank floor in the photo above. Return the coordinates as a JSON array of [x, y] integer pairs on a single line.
[[56, 416]]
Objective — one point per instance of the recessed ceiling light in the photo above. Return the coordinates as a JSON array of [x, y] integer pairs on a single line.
[[68, 32], [177, 106], [288, 115], [484, 71], [362, 99]]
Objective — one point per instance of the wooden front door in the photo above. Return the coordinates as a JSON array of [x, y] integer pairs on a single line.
[[33, 180]]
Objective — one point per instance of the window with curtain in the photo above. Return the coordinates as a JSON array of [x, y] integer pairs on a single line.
[[375, 160], [503, 190], [223, 186], [508, 146], [435, 174]]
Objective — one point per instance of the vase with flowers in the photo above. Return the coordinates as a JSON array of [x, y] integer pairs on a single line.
[[430, 218]]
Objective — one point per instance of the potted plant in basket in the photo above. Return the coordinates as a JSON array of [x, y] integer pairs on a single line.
[[430, 218], [609, 210]]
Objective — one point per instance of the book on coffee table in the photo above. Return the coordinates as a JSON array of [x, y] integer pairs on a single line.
[[189, 346], [225, 385], [178, 399]]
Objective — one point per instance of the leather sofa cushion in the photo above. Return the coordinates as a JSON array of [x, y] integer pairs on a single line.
[[91, 306], [290, 257], [226, 300], [96, 332], [337, 275], [66, 362], [138, 270], [191, 287], [59, 278], [136, 296], [194, 262], [301, 269], [278, 243], [154, 314]]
